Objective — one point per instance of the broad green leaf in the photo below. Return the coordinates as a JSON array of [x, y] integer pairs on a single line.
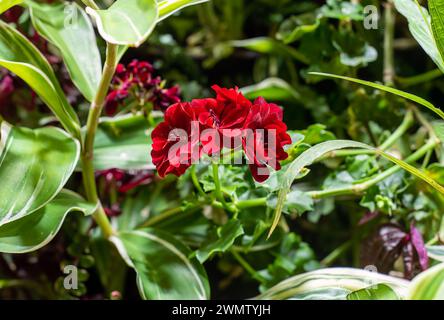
[[381, 87], [21, 57], [270, 46], [68, 27], [164, 269], [375, 292], [317, 151], [6, 4], [126, 22], [37, 229], [273, 89], [428, 285], [34, 166], [436, 252], [420, 26], [331, 284], [169, 7], [124, 143], [437, 12], [226, 235]]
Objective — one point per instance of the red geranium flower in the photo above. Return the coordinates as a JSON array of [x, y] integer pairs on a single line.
[[174, 146], [257, 127], [265, 138]]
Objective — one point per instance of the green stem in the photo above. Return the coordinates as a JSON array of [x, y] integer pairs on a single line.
[[421, 78], [358, 189], [251, 203], [335, 254], [95, 111], [196, 181], [389, 35], [218, 191], [407, 122], [247, 266]]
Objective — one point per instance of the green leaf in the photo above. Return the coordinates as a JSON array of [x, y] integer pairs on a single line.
[[376, 292], [124, 143], [437, 12], [68, 27], [295, 27], [420, 26], [34, 166], [226, 235], [126, 22], [6, 4], [270, 46], [309, 156], [169, 7], [272, 89], [397, 92], [21, 57], [331, 284], [35, 230], [436, 252], [164, 269], [428, 285]]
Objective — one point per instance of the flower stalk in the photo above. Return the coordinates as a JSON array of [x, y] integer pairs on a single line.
[[95, 111]]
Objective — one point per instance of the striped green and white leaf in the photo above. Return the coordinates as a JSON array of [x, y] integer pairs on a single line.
[[317, 151], [170, 7], [420, 25], [37, 229], [436, 8], [375, 292], [428, 285], [20, 56], [7, 4], [332, 284], [126, 22], [164, 269], [34, 166], [381, 87], [68, 27], [124, 143], [436, 252]]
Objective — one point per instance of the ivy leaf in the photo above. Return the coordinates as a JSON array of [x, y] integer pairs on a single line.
[[164, 269], [34, 166], [21, 57], [297, 202], [126, 22], [123, 143], [226, 235], [38, 228], [76, 40], [420, 26]]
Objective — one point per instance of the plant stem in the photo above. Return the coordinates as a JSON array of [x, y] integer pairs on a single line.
[[419, 79], [407, 122], [247, 266], [218, 190], [389, 35], [358, 189], [251, 203], [95, 111], [196, 181], [335, 254]]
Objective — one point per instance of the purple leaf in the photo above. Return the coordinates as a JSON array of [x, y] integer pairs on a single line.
[[418, 243]]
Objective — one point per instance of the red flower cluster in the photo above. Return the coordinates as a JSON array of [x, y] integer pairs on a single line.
[[135, 82], [205, 126]]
